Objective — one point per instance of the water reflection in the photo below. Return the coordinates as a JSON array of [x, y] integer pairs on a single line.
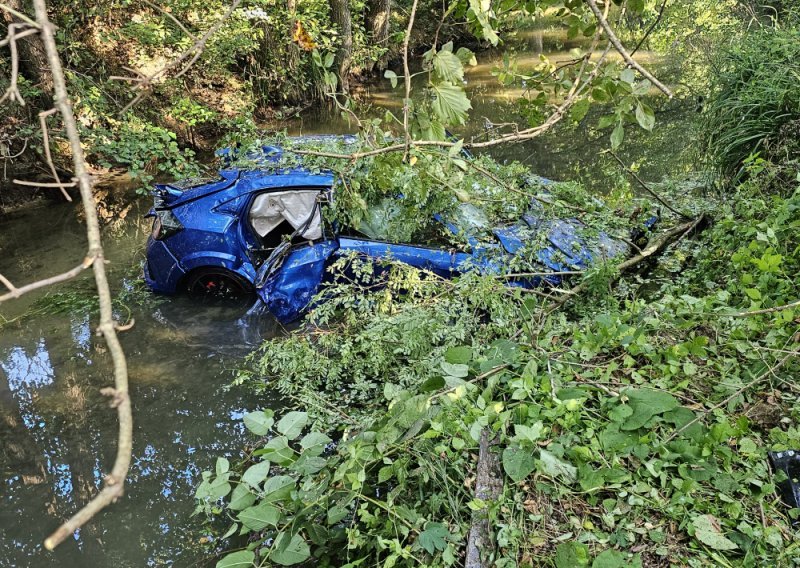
[[57, 434]]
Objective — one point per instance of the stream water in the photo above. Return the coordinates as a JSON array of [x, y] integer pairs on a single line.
[[57, 434]]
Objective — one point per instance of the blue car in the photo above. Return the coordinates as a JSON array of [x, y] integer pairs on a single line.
[[260, 231]]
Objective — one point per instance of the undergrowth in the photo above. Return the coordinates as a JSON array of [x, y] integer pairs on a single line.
[[632, 426]]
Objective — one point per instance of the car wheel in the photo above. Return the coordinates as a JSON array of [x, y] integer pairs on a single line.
[[219, 286]]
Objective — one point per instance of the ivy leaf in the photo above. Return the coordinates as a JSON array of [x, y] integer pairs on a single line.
[[645, 116], [708, 531], [289, 551], [451, 103], [646, 403], [518, 463], [259, 422], [237, 559], [555, 467], [256, 474], [292, 424], [260, 516], [434, 537]]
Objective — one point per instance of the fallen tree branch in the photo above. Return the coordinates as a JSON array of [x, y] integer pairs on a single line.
[[630, 61], [795, 304], [115, 481], [14, 292], [646, 187], [651, 249], [488, 487], [407, 80]]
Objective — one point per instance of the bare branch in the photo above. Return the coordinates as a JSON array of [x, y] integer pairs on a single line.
[[175, 20], [19, 15], [758, 379], [12, 92], [764, 311], [59, 185], [407, 79], [612, 37], [14, 292], [144, 82], [46, 143], [647, 188], [114, 482]]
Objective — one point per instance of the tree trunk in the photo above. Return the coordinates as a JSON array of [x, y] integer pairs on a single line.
[[340, 15], [32, 58], [378, 25]]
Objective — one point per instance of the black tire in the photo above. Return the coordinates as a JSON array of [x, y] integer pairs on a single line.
[[220, 287]]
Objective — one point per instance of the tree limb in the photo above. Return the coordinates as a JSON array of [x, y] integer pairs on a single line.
[[612, 37], [114, 482]]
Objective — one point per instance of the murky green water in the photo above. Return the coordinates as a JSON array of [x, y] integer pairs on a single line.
[[57, 435]]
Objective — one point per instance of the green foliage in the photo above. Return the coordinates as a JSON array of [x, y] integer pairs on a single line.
[[145, 150], [755, 109]]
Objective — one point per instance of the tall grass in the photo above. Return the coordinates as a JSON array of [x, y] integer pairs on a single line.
[[755, 108]]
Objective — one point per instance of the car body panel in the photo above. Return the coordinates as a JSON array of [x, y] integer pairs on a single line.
[[208, 226]]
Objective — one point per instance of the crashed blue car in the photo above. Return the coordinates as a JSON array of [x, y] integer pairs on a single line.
[[261, 231]]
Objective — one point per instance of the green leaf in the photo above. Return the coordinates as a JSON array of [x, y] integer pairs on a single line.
[[617, 135], [753, 293], [277, 488], [314, 443], [450, 104], [466, 56], [256, 474], [237, 559], [518, 463], [647, 403], [278, 451], [223, 466], [241, 498], [627, 76], [292, 424], [707, 530], [571, 555], [329, 58], [555, 467], [392, 76], [460, 355], [579, 109], [434, 537], [259, 422], [528, 433], [481, 15], [455, 370], [260, 516], [289, 551], [447, 66], [645, 116]]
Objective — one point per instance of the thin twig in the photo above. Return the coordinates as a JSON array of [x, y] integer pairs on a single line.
[[761, 312], [175, 20], [407, 79], [46, 143], [115, 481], [14, 292], [19, 15], [612, 37], [647, 188], [758, 379]]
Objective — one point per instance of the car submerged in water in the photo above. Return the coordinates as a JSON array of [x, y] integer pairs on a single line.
[[260, 230]]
